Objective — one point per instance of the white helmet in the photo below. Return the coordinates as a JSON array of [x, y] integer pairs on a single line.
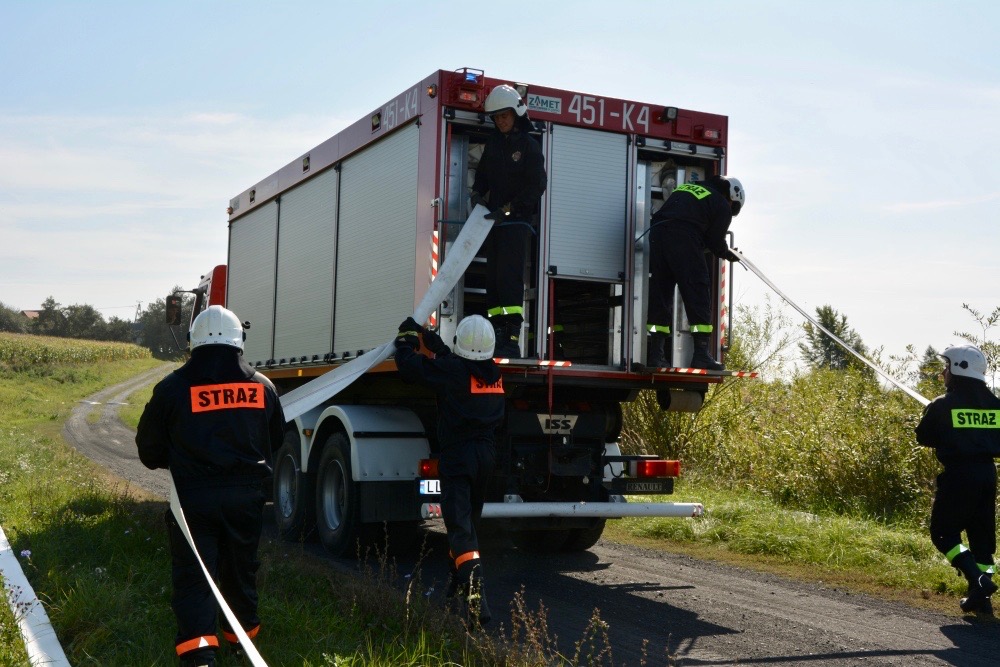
[[504, 97], [737, 194], [966, 360], [217, 326], [475, 338]]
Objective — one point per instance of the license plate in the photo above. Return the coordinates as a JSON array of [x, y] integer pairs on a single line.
[[430, 487]]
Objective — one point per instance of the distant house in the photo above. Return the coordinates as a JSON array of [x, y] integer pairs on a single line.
[[31, 314]]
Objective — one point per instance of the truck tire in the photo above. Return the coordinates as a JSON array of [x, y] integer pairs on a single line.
[[581, 539], [293, 493], [338, 506]]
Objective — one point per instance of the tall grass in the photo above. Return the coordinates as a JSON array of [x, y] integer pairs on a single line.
[[820, 441]]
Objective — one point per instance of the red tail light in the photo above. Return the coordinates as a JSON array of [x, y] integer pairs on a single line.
[[429, 468], [657, 468]]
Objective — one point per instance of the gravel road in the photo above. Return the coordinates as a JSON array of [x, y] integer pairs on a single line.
[[696, 612]]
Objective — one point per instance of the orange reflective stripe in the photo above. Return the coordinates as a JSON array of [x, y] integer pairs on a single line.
[[467, 556], [227, 396], [477, 386], [197, 643], [233, 639]]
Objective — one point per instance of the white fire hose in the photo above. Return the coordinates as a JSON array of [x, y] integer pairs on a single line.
[[248, 647], [909, 392]]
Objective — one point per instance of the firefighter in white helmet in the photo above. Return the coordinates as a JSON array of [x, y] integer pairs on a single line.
[[510, 180], [213, 423], [695, 217], [470, 404], [963, 427]]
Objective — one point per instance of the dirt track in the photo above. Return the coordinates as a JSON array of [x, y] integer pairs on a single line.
[[700, 612]]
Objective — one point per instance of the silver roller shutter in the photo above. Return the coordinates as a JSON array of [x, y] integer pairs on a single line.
[[306, 249], [376, 242], [251, 277], [588, 173]]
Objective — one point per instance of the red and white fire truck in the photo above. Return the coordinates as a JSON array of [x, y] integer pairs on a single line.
[[331, 252]]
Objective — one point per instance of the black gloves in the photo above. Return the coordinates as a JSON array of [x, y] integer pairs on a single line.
[[729, 255], [408, 334], [434, 344]]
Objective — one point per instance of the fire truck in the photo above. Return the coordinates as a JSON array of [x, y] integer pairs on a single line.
[[329, 253]]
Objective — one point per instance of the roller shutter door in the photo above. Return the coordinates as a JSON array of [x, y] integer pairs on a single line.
[[588, 175], [306, 250], [376, 242], [251, 277]]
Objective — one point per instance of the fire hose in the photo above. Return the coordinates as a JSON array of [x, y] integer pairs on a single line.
[[753, 269]]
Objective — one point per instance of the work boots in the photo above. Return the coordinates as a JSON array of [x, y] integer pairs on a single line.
[[702, 358], [508, 333], [981, 585], [658, 352]]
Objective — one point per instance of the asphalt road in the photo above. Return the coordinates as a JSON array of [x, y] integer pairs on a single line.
[[659, 607]]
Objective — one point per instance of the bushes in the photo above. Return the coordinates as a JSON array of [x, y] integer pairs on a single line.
[[822, 440]]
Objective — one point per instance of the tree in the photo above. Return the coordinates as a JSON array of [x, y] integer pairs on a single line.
[[51, 320], [821, 351], [12, 320], [83, 321]]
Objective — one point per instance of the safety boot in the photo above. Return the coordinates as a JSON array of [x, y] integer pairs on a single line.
[[200, 660], [658, 354], [981, 585], [508, 335], [702, 358]]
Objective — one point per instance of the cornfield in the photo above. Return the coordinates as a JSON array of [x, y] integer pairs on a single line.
[[18, 351]]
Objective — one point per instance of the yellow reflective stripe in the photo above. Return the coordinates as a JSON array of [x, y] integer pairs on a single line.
[[968, 418], [959, 548], [657, 328], [702, 328], [698, 191], [505, 310], [556, 329]]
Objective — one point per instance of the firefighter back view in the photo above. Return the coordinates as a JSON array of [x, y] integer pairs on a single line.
[[470, 400], [695, 218], [963, 427], [213, 423]]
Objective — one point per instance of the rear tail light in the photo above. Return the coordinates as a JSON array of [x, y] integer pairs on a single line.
[[655, 468], [429, 468]]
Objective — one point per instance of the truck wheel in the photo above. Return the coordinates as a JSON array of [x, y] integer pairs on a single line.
[[581, 539], [337, 499], [294, 495]]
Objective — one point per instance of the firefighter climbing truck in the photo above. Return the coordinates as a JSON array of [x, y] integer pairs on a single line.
[[329, 253]]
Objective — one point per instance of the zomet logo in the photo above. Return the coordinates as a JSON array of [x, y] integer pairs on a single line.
[[545, 104]]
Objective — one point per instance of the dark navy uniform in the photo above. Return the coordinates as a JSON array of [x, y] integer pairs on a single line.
[[963, 427], [511, 177], [695, 217], [470, 408], [213, 423]]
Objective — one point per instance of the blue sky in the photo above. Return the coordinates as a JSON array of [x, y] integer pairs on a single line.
[[866, 134]]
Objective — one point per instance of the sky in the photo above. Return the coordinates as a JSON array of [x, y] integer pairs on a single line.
[[867, 134]]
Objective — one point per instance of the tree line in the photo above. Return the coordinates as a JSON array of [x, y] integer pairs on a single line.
[[83, 321]]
